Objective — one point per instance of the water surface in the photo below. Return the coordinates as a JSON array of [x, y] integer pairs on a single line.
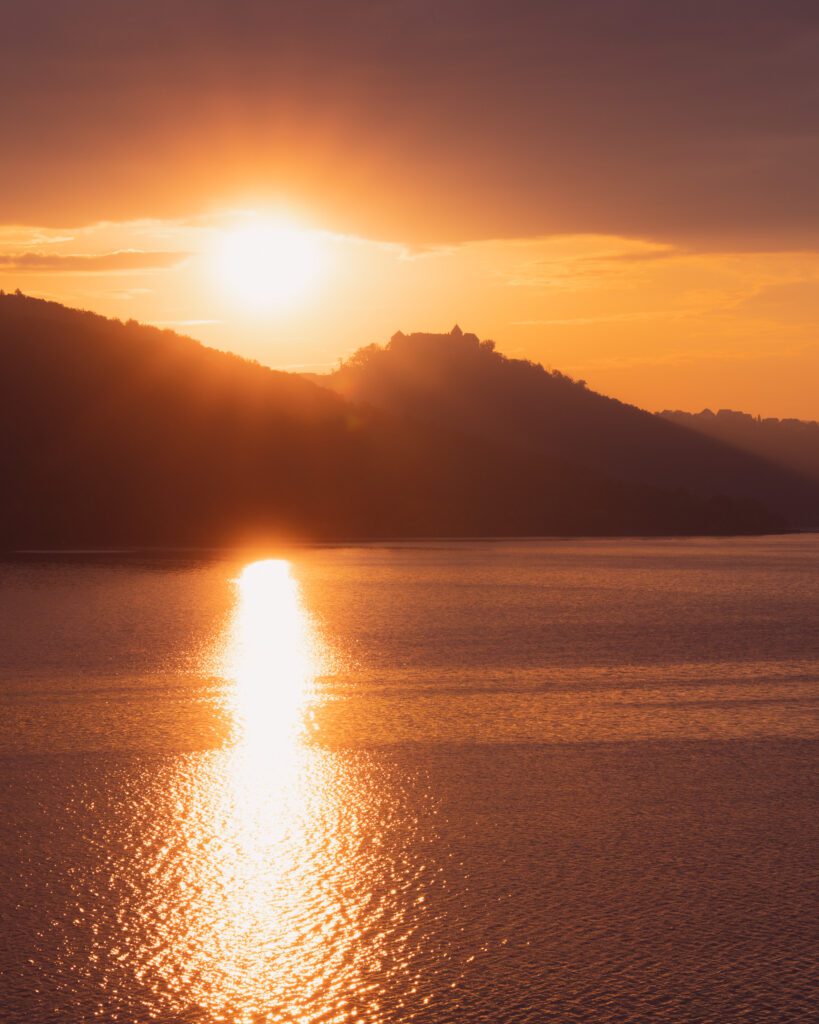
[[524, 781]]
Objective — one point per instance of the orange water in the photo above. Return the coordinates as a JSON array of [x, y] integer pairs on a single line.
[[565, 781]]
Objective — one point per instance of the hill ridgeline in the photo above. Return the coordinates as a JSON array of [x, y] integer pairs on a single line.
[[118, 434]]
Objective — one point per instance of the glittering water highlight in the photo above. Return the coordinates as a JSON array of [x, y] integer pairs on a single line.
[[477, 782]]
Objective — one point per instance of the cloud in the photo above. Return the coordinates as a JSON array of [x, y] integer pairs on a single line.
[[785, 301], [649, 256], [613, 318], [184, 323], [90, 263], [693, 123]]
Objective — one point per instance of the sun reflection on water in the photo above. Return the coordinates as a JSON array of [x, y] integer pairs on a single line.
[[271, 661], [276, 878]]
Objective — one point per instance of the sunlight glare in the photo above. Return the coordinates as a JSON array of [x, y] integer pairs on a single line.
[[271, 859], [267, 265], [271, 660]]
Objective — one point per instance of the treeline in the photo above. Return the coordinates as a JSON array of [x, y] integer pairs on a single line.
[[790, 442], [118, 434], [458, 382]]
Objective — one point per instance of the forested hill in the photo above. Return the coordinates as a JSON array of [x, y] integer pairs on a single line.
[[458, 382], [790, 442], [120, 434]]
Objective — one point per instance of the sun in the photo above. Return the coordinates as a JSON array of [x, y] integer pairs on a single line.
[[267, 264]]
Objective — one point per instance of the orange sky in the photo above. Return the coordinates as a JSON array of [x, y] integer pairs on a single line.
[[626, 192]]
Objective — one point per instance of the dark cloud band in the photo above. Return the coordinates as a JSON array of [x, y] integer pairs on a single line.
[[97, 263]]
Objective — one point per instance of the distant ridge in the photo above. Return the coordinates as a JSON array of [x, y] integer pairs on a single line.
[[459, 382], [117, 434], [789, 442]]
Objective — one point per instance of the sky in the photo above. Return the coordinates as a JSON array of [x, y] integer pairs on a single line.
[[625, 190]]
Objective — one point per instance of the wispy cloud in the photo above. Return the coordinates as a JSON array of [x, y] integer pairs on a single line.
[[584, 321], [90, 263], [639, 256], [184, 323]]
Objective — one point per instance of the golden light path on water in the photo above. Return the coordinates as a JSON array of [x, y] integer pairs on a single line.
[[272, 661], [282, 884]]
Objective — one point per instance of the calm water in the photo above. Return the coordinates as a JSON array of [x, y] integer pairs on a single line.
[[547, 781]]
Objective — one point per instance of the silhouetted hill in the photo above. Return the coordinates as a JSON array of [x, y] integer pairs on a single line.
[[792, 443], [456, 381], [120, 434]]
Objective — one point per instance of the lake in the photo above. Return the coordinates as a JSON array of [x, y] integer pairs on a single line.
[[532, 781]]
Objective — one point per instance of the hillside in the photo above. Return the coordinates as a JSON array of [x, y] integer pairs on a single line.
[[789, 442], [458, 382], [120, 434]]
